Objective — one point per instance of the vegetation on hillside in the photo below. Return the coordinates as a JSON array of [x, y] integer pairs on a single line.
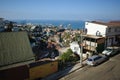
[[67, 59]]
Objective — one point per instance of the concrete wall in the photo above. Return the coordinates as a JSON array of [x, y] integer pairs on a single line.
[[92, 28], [30, 71], [15, 73], [43, 70]]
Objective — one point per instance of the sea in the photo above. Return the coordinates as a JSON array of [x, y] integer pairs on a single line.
[[74, 24]]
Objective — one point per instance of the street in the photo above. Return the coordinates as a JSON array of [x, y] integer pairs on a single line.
[[109, 70]]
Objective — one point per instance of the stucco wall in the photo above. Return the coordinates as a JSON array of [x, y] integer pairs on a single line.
[[92, 28]]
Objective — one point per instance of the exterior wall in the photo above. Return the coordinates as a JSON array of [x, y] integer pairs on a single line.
[[112, 33], [29, 72], [92, 28], [15, 73], [43, 70], [90, 45], [113, 30], [94, 46]]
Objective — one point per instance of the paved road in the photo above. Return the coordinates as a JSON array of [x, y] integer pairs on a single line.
[[109, 70]]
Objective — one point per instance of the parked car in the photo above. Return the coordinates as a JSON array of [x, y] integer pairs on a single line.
[[96, 59], [110, 51]]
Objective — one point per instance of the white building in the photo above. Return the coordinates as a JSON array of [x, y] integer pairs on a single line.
[[74, 46], [110, 30]]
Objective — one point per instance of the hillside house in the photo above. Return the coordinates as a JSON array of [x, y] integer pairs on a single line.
[[109, 30]]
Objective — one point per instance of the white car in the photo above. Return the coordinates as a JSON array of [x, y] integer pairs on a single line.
[[96, 59], [110, 51]]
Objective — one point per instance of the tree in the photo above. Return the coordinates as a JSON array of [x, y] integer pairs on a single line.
[[10, 26], [66, 56]]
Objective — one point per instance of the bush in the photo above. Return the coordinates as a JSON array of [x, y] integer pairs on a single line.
[[66, 57]]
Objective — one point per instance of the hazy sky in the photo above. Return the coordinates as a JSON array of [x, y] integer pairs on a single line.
[[60, 9]]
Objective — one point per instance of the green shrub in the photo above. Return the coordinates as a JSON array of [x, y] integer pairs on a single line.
[[66, 57]]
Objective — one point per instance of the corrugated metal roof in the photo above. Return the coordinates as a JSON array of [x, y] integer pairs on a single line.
[[14, 48]]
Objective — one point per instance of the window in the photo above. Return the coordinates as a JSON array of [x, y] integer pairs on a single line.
[[109, 29], [116, 38], [109, 40], [89, 59], [115, 29], [97, 58]]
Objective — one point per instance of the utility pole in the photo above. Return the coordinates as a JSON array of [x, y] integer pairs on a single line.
[[81, 51]]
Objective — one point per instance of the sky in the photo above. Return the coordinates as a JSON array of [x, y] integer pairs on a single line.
[[60, 9]]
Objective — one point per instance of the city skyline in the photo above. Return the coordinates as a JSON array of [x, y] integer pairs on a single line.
[[60, 9]]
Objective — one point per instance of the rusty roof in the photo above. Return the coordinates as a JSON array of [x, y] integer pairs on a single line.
[[109, 24]]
